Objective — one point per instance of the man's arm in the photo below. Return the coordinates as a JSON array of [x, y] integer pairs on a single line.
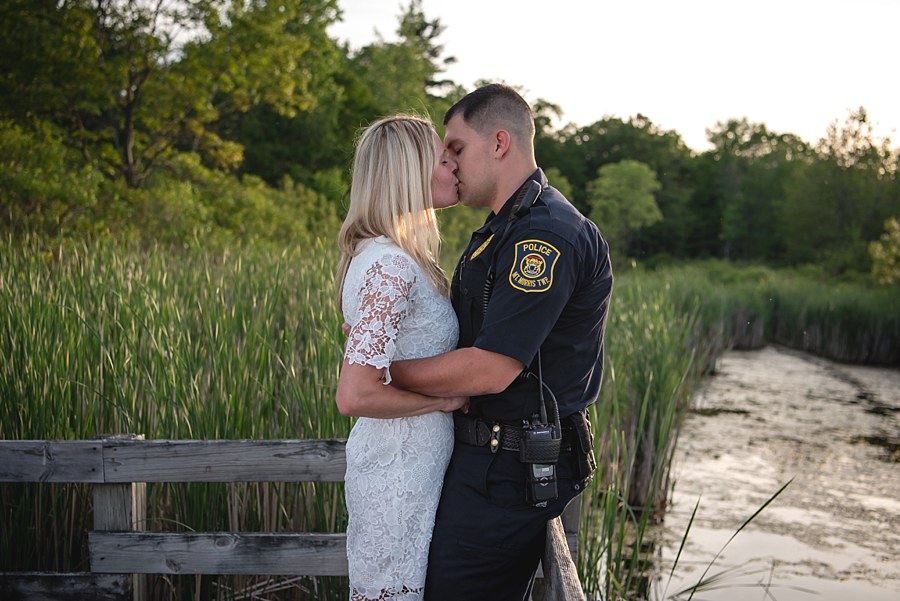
[[361, 392], [464, 372]]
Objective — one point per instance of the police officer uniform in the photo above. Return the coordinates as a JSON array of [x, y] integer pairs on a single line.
[[547, 305]]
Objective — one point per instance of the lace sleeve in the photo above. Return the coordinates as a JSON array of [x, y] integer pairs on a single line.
[[384, 302]]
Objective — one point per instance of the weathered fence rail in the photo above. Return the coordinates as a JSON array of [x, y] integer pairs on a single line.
[[118, 469]]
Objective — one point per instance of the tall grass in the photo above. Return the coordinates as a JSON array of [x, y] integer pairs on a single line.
[[750, 306], [196, 344], [169, 345], [652, 368]]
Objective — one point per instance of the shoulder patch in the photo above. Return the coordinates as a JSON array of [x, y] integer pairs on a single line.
[[532, 269]]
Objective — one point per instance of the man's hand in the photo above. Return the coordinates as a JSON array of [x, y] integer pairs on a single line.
[[454, 403]]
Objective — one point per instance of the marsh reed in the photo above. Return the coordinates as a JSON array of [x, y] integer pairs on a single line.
[[196, 344], [180, 345]]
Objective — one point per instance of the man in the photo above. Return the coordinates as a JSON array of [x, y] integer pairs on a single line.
[[543, 313]]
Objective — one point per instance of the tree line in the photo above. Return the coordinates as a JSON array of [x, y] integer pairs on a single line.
[[231, 121]]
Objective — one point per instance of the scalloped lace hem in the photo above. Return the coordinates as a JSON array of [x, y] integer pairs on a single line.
[[405, 593]]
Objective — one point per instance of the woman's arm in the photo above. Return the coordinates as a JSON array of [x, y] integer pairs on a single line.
[[364, 386]]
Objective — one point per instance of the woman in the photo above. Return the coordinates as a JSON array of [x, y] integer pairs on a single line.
[[394, 297]]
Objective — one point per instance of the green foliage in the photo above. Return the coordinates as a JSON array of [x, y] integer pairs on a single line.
[[651, 370], [838, 202], [457, 224], [104, 339], [751, 168], [750, 306], [317, 138], [44, 190], [139, 85], [404, 76], [140, 143], [622, 201], [139, 110], [559, 181], [380, 79], [841, 322], [886, 254], [583, 150], [190, 202]]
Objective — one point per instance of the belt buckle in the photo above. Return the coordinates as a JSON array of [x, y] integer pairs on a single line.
[[494, 436]]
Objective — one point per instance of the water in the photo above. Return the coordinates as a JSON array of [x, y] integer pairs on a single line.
[[766, 417]]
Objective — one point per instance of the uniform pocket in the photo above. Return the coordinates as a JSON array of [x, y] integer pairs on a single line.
[[584, 452], [505, 480]]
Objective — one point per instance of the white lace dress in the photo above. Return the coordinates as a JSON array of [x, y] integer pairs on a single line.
[[395, 467]]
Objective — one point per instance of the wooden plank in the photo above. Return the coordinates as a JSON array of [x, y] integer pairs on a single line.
[[219, 553], [315, 460], [41, 586], [139, 522], [114, 507], [51, 461], [122, 507], [572, 542]]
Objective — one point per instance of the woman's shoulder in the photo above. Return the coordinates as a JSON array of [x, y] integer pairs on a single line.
[[384, 251], [381, 246]]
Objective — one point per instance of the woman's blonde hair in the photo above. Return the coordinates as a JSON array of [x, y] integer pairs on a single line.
[[390, 195]]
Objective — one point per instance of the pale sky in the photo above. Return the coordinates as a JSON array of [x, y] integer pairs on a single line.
[[794, 65]]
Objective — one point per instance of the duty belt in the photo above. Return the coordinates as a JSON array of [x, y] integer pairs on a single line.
[[498, 435]]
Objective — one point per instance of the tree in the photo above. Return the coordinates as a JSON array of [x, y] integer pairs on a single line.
[[559, 181], [751, 167], [313, 144], [553, 154], [132, 81], [886, 254], [314, 147], [42, 189], [611, 140], [622, 201], [404, 76], [836, 204]]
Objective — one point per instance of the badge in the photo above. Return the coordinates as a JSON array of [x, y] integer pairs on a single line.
[[532, 269]]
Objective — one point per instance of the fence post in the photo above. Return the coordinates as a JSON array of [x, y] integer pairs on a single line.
[[122, 507]]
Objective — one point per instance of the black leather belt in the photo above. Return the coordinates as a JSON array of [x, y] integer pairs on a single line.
[[497, 435]]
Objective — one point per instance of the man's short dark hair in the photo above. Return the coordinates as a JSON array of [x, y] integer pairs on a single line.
[[496, 106]]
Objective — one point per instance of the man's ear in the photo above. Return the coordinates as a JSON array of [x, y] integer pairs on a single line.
[[502, 143]]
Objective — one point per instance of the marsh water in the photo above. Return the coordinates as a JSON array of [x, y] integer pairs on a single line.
[[765, 418]]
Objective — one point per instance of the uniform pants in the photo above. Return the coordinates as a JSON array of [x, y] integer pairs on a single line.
[[487, 540]]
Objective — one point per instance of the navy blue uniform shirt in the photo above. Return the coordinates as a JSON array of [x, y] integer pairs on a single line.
[[551, 291]]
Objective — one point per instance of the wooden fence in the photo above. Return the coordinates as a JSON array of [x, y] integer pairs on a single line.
[[120, 551]]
